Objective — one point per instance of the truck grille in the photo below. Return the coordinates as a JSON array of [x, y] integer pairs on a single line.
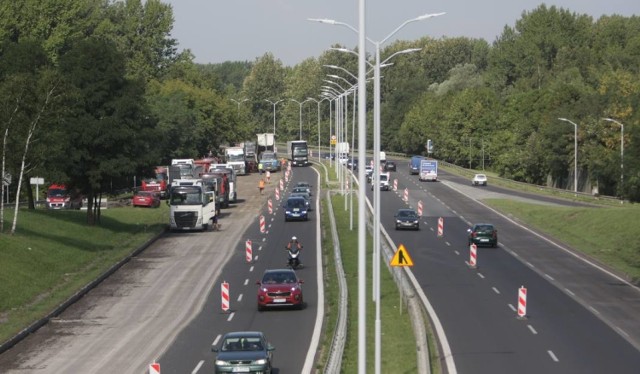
[[186, 219]]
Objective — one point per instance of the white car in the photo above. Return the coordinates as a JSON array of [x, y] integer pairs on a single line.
[[479, 180]]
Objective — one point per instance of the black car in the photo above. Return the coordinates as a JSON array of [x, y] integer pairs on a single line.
[[483, 234], [390, 166], [304, 185], [295, 208], [244, 352], [407, 219]]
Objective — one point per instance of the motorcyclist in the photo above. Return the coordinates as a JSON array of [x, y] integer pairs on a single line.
[[293, 247]]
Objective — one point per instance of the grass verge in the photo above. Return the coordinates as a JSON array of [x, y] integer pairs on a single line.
[[55, 253]]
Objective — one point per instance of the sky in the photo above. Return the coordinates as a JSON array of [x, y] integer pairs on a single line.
[[243, 30]]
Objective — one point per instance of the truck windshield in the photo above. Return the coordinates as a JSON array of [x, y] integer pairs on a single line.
[[268, 156], [56, 192], [300, 151], [235, 157], [186, 196]]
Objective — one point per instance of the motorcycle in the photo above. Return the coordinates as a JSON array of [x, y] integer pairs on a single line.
[[293, 260]]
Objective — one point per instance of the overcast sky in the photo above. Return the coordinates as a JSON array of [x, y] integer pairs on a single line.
[[243, 30]]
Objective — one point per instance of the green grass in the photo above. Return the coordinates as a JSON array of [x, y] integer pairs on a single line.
[[608, 234], [55, 253]]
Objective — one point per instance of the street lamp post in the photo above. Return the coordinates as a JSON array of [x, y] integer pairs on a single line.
[[621, 152], [239, 102], [318, 102], [575, 154], [274, 103], [376, 156], [300, 104]]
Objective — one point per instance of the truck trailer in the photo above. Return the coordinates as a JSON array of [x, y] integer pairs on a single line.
[[428, 170]]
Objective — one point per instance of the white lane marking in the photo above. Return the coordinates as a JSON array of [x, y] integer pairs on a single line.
[[246, 281], [529, 264], [259, 248], [251, 269], [231, 316], [533, 331], [448, 244], [553, 356], [216, 340], [594, 310], [264, 239], [549, 276], [569, 292], [621, 331], [456, 252], [431, 228], [240, 298], [496, 290], [512, 307], [480, 275], [197, 368], [256, 258]]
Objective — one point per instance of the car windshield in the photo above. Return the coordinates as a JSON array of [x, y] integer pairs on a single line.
[[481, 176], [407, 214], [384, 177], [279, 278], [242, 344], [57, 192], [483, 228], [296, 203]]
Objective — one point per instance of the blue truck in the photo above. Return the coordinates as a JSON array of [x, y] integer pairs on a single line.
[[414, 165]]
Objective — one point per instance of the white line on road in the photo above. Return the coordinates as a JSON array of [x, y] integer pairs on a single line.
[[240, 298], [256, 258], [512, 307], [456, 252], [594, 310], [216, 340], [569, 292], [533, 331], [549, 276], [260, 248], [250, 269], [230, 316], [530, 264], [197, 368], [246, 281], [553, 356], [448, 244], [480, 275], [496, 290]]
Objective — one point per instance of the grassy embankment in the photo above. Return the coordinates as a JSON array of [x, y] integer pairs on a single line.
[[53, 254]]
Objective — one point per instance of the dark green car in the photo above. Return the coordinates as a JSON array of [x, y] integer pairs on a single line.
[[483, 234]]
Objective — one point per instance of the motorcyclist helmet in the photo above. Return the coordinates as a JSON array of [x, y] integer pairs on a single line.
[[294, 238]]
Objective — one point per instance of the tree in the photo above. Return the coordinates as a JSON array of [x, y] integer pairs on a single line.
[[266, 81]]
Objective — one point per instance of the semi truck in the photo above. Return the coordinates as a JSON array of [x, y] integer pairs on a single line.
[[266, 142], [235, 159], [298, 152], [428, 170], [192, 205], [250, 156]]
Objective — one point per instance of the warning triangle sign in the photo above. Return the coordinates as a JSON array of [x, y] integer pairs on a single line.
[[401, 257]]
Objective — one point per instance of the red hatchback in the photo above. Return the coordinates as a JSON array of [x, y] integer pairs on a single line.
[[280, 288], [146, 198]]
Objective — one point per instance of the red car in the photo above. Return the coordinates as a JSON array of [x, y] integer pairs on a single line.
[[280, 288], [146, 198]]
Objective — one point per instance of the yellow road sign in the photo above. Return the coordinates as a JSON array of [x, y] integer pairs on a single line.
[[401, 257]]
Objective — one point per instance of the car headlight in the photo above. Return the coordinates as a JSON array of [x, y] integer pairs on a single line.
[[222, 363], [398, 221], [262, 361]]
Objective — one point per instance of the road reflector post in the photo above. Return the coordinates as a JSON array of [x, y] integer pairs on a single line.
[[440, 227], [263, 225], [473, 256], [406, 196], [270, 205], [522, 303], [249, 251], [154, 368], [420, 208], [224, 293], [395, 185]]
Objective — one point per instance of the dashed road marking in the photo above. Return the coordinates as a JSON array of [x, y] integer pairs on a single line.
[[239, 298], [512, 307], [480, 275], [246, 281], [231, 316], [251, 269], [496, 290], [553, 356], [197, 368], [533, 331]]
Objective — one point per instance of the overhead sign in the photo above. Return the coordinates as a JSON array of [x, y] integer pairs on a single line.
[[401, 257]]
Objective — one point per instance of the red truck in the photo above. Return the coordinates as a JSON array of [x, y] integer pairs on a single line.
[[58, 197], [159, 184]]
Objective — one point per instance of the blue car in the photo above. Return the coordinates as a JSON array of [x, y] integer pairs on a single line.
[[295, 209]]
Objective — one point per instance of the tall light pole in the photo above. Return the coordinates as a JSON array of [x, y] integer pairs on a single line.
[[300, 104], [274, 103], [318, 102], [575, 154], [239, 102], [621, 152]]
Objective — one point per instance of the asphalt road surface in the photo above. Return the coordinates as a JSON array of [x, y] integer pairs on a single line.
[[166, 300]]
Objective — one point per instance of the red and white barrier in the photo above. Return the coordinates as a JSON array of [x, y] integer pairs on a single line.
[[405, 196], [224, 293], [522, 302], [395, 185], [287, 175], [263, 224], [420, 208], [440, 227], [154, 368], [270, 205], [277, 194], [281, 184], [473, 256], [248, 250]]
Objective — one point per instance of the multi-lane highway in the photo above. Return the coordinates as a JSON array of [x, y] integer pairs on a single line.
[[580, 319], [165, 305]]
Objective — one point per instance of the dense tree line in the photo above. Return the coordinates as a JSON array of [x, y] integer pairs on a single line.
[[95, 91]]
